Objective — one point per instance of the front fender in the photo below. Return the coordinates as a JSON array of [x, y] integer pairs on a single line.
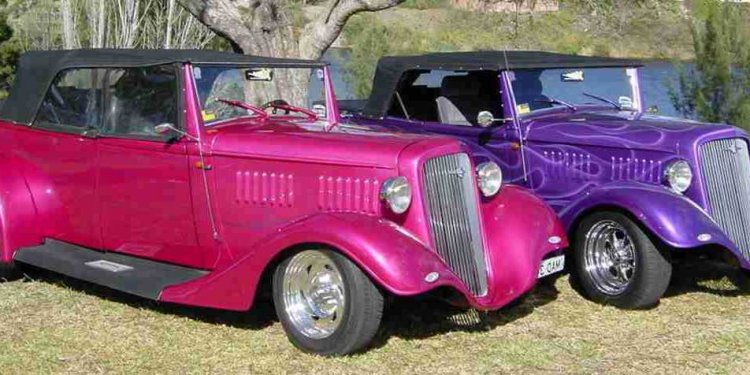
[[394, 260], [519, 227], [673, 218]]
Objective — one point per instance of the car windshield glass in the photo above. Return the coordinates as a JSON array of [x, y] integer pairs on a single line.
[[536, 89], [297, 94]]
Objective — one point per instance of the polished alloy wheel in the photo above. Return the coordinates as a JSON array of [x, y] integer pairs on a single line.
[[314, 294], [609, 257]]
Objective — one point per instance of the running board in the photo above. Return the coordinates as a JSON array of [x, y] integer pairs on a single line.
[[141, 277]]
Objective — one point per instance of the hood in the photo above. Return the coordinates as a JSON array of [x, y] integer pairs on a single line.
[[624, 130], [344, 145]]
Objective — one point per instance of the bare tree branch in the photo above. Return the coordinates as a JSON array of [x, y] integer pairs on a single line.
[[264, 27], [321, 32]]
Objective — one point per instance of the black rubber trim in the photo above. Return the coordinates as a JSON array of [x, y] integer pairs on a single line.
[[146, 279]]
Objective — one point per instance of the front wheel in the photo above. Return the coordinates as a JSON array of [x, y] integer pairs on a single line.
[[617, 263], [325, 303]]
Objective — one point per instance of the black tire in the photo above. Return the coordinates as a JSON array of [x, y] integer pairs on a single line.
[[364, 305], [650, 275], [9, 272]]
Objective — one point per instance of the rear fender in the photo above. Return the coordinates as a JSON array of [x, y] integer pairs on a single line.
[[18, 216], [676, 220], [393, 259]]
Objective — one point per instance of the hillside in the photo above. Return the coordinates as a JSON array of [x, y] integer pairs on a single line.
[[658, 30]]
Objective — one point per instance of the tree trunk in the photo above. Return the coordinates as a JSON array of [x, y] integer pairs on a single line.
[[266, 28], [68, 25], [170, 19]]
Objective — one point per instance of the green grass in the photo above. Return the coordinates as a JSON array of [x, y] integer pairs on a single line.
[[52, 324]]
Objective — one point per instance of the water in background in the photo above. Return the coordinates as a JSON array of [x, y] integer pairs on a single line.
[[653, 77]]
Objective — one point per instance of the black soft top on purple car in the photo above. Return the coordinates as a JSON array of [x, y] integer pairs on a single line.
[[391, 69]]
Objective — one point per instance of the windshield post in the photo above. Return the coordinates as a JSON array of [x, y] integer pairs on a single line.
[[635, 87], [509, 103], [193, 120], [333, 116]]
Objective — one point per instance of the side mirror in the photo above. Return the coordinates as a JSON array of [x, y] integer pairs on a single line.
[[485, 119], [166, 128], [654, 109]]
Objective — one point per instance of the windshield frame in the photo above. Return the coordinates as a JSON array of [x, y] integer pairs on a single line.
[[333, 115], [633, 79]]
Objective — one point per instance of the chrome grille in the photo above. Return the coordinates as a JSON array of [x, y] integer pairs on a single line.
[[454, 218], [726, 173]]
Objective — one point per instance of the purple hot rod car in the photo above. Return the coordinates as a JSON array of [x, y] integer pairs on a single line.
[[632, 188]]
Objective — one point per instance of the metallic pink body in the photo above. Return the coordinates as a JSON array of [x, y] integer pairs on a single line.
[[269, 187]]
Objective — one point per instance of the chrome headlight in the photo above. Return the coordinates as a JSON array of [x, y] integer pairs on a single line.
[[490, 178], [397, 193], [679, 176]]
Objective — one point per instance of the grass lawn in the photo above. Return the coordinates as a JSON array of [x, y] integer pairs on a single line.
[[53, 324]]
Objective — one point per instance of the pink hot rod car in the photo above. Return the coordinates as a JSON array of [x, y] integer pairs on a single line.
[[192, 177]]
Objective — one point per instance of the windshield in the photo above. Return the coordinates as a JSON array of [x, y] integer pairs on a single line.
[[293, 93], [537, 89]]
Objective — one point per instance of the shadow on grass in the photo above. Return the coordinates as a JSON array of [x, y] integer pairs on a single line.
[[708, 276], [420, 318], [260, 316], [409, 318]]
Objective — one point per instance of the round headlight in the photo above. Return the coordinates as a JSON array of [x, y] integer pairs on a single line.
[[679, 176], [397, 192], [490, 178]]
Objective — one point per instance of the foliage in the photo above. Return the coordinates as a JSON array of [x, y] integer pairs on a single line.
[[9, 52], [38, 24], [718, 88], [425, 4], [577, 29]]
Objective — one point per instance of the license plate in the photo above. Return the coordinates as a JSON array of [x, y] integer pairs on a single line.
[[551, 265]]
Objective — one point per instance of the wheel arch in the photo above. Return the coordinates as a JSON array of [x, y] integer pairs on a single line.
[[672, 219], [607, 207], [394, 261]]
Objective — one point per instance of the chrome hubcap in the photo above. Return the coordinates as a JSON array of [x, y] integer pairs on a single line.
[[609, 257], [314, 294]]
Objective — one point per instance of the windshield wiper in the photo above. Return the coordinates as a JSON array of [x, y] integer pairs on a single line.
[[259, 112], [557, 101], [619, 107]]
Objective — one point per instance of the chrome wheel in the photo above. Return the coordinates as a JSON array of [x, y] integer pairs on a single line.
[[313, 293], [609, 257]]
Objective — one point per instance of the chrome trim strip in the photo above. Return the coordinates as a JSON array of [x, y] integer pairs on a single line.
[[726, 173], [454, 218]]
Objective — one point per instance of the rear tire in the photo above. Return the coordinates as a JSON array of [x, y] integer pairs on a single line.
[[617, 263], [325, 303]]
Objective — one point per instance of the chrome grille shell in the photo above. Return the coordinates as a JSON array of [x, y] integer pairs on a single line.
[[453, 213], [725, 165]]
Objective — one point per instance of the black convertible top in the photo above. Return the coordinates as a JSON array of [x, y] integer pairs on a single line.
[[391, 68], [36, 70]]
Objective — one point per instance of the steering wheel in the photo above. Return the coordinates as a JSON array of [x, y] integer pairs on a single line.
[[276, 105], [283, 105]]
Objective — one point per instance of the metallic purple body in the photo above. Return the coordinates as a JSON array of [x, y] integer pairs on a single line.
[[598, 158], [270, 187]]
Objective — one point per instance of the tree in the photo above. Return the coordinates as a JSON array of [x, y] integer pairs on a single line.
[[9, 52], [267, 27], [54, 24], [281, 28], [717, 89]]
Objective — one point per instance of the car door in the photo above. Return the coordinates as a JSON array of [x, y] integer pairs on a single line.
[[58, 154], [144, 179]]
